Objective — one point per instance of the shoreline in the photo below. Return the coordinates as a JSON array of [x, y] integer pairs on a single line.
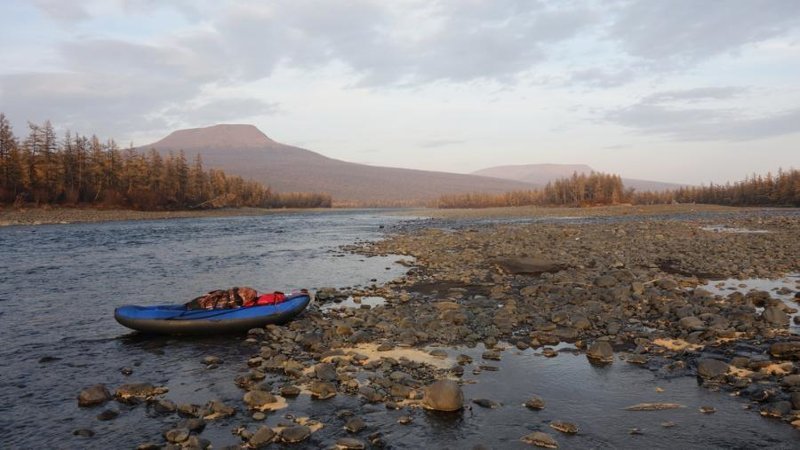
[[62, 216]]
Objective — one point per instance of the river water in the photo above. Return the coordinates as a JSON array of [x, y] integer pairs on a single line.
[[59, 285]]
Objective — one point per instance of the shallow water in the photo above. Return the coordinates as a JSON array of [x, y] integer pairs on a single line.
[[59, 285], [781, 288]]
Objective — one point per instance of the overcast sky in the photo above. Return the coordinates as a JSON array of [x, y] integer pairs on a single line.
[[674, 90]]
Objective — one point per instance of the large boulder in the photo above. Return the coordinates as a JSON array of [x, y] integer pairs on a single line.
[[443, 395], [527, 266], [600, 352], [774, 315], [785, 349], [711, 368], [94, 395], [692, 323]]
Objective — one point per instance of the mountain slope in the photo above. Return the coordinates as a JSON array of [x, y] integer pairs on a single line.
[[244, 150], [541, 174]]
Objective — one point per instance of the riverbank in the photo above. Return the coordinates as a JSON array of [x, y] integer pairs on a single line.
[[610, 331], [41, 216]]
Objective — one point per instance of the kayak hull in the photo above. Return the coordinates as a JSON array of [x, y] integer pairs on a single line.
[[176, 319]]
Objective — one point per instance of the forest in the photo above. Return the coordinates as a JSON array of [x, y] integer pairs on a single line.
[[76, 170], [578, 190], [597, 189], [782, 189]]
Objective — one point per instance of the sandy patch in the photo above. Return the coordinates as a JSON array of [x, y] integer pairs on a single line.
[[370, 350], [676, 344], [740, 373]]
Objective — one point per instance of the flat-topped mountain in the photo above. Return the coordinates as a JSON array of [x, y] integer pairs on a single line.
[[542, 174], [244, 150], [236, 136]]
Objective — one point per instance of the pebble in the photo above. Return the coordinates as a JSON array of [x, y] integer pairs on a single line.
[[535, 403], [540, 439]]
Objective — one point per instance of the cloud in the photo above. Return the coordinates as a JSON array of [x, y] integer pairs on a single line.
[[673, 114], [687, 31], [433, 143], [63, 11], [603, 78], [221, 110]]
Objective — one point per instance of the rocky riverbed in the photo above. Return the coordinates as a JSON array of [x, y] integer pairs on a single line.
[[481, 298]]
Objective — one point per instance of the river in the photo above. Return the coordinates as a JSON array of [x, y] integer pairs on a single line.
[[59, 285]]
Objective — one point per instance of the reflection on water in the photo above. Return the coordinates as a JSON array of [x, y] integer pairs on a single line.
[[784, 289]]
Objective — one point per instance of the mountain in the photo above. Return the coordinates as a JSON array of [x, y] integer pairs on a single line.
[[541, 174], [244, 150]]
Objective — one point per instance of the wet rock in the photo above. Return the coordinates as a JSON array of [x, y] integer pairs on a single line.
[[528, 266], [692, 323], [795, 400], [535, 402], [775, 315], [708, 368], [261, 438], [290, 391], [355, 424], [135, 392], [486, 403], [464, 359], [540, 439], [322, 390], [438, 353], [347, 443], [708, 409], [126, 371], [791, 380], [189, 410], [549, 352], [212, 360], [83, 432], [493, 355], [404, 420], [194, 425], [176, 435], [653, 406], [776, 409], [325, 372], [216, 409], [165, 406], [108, 414], [94, 395], [296, 433], [260, 400], [443, 395], [600, 352], [564, 427], [789, 349]]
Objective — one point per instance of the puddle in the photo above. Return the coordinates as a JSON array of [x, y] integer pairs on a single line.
[[354, 302], [783, 288], [727, 229]]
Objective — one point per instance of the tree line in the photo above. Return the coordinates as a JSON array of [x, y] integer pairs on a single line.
[[756, 190], [598, 188], [591, 189], [42, 169]]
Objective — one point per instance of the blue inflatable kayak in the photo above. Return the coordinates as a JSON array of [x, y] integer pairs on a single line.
[[176, 319]]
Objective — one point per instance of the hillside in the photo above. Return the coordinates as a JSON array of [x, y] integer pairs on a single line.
[[541, 174], [244, 150]]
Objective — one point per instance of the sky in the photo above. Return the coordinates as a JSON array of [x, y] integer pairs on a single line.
[[681, 90]]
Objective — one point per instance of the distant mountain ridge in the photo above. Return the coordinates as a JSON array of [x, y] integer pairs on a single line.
[[541, 174], [245, 151]]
